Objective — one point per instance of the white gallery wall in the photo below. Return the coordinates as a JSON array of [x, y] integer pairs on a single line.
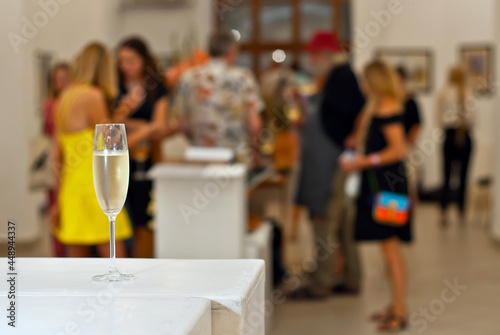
[[16, 203], [442, 26], [167, 30], [63, 27]]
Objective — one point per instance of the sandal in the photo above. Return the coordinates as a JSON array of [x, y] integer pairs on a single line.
[[379, 316], [393, 323]]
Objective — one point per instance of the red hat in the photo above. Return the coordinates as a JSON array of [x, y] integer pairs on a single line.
[[324, 40]]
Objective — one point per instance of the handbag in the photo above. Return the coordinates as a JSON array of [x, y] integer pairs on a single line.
[[40, 175], [389, 208]]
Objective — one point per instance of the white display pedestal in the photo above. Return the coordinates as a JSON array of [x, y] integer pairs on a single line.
[[200, 211], [235, 288]]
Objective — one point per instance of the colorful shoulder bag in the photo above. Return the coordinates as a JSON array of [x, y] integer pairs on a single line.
[[389, 208]]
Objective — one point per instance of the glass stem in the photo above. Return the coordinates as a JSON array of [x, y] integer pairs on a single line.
[[112, 246]]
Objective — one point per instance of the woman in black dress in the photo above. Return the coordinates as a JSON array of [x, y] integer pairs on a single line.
[[142, 106], [381, 147]]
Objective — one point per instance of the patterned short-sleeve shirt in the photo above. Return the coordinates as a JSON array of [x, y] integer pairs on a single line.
[[215, 99]]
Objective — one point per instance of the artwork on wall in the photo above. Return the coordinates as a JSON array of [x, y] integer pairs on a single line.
[[478, 61], [417, 62]]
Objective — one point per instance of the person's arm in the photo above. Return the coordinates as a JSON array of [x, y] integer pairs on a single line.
[[141, 133], [440, 112], [134, 124], [415, 121], [156, 129], [56, 163], [181, 105], [470, 110], [122, 111], [394, 152], [254, 106], [254, 122], [413, 134], [160, 119], [352, 140], [47, 123]]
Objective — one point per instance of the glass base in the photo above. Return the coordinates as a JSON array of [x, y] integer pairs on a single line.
[[113, 276]]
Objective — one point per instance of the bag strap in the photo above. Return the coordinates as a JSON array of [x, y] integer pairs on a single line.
[[372, 181]]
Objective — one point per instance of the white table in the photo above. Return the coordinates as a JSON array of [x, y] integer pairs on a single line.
[[110, 316], [235, 288]]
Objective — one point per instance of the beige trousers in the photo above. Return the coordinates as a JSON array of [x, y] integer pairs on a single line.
[[334, 233]]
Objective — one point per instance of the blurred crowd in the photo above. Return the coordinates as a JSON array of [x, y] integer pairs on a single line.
[[350, 135]]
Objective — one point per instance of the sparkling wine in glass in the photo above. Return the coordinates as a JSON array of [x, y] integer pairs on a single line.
[[111, 175]]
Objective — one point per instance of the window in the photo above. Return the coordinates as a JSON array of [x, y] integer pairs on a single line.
[[269, 25]]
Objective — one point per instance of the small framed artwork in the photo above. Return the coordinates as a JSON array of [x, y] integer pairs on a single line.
[[478, 61], [418, 63]]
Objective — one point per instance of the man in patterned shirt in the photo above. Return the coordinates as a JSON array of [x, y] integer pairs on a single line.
[[220, 103]]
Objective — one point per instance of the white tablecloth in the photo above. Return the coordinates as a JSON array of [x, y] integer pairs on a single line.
[[110, 316], [235, 288]]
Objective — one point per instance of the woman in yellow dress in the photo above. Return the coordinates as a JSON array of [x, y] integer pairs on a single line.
[[81, 106]]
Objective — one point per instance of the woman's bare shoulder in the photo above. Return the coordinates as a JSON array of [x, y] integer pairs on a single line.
[[389, 111], [92, 94], [83, 93]]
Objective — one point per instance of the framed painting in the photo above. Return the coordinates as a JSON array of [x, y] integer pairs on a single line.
[[478, 61], [418, 63]]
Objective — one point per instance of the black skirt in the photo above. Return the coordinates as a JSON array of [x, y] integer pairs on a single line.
[[139, 195], [390, 178]]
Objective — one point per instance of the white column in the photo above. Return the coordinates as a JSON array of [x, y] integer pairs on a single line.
[[16, 122]]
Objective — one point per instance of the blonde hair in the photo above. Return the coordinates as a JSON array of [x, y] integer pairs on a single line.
[[457, 77], [95, 66], [383, 80]]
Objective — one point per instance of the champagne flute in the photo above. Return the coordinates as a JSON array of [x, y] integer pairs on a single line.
[[111, 174]]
